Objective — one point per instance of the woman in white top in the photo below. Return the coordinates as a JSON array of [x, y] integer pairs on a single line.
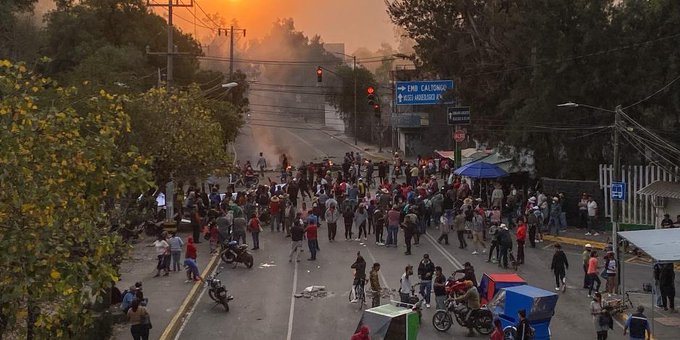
[[610, 266], [163, 253]]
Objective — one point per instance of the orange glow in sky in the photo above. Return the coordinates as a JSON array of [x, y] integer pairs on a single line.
[[357, 23]]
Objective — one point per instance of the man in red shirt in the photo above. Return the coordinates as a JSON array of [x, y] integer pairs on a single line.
[[521, 238], [392, 226], [312, 241], [274, 212]]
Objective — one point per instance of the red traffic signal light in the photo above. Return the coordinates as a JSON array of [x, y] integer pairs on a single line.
[[376, 108], [319, 74], [370, 90]]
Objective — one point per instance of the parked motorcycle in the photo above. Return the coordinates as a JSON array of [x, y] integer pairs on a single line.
[[481, 319], [217, 291], [232, 252]]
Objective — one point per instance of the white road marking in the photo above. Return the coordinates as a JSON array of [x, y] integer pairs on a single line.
[[380, 272], [443, 251], [292, 303]]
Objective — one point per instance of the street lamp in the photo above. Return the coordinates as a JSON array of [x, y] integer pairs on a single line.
[[616, 176]]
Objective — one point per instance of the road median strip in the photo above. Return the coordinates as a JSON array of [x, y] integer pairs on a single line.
[[176, 322]]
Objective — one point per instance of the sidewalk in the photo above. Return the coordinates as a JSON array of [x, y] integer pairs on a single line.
[[166, 294]]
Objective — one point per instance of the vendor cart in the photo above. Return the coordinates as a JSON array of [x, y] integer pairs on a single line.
[[493, 283], [390, 322], [539, 305]]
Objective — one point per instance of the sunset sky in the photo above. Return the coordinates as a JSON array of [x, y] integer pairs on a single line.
[[357, 23]]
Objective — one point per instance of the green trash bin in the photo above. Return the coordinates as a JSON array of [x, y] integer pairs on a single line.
[[390, 322]]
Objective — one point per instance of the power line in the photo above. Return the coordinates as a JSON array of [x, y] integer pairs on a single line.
[[206, 15], [654, 94]]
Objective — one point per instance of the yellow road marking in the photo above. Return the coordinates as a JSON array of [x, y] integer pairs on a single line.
[[574, 241]]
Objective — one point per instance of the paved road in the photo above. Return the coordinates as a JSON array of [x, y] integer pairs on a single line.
[[265, 309]]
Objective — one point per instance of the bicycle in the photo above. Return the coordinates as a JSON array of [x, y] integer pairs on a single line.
[[359, 294]]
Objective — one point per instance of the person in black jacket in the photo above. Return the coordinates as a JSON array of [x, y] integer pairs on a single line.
[[667, 286], [524, 331], [505, 243], [426, 272], [559, 267]]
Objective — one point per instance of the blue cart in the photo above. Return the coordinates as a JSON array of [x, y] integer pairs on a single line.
[[539, 305]]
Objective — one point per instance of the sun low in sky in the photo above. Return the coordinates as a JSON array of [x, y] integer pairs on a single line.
[[357, 23]]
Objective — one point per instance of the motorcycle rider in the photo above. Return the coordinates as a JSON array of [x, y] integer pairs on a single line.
[[359, 267], [471, 301], [469, 273]]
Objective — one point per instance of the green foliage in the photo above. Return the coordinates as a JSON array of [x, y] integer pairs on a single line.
[[60, 161], [341, 95], [182, 132], [514, 67]]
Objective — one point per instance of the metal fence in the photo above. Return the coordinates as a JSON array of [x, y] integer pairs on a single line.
[[635, 209]]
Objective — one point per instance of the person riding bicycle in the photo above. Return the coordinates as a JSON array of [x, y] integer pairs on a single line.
[[471, 302], [359, 267]]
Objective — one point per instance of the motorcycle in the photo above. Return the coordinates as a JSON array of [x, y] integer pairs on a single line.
[[232, 252], [481, 320], [217, 291], [455, 287]]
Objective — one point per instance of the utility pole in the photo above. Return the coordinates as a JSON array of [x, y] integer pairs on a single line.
[[171, 47], [171, 51], [616, 204], [231, 46], [356, 117]]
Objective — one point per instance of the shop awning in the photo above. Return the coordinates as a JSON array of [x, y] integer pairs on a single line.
[[446, 154], [662, 189], [660, 244]]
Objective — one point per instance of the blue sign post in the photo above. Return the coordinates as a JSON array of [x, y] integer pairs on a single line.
[[618, 191], [427, 92]]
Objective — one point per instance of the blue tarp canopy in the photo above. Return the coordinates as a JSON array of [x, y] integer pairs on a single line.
[[660, 244], [480, 170]]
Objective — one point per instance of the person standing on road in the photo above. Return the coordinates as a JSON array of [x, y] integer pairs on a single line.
[[605, 322], [375, 284], [426, 272], [559, 266], [505, 242], [667, 286], [610, 267], [445, 222], [379, 226], [439, 287], [359, 267], [297, 233], [255, 228], [405, 284], [532, 220], [312, 241], [521, 239], [348, 218], [360, 218], [239, 229], [262, 164], [585, 256], [592, 217], [459, 226], [163, 254], [176, 245], [409, 227], [638, 325], [138, 317], [523, 328], [592, 274], [393, 217], [274, 211], [332, 217]]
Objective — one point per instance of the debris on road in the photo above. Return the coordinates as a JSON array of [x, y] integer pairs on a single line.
[[312, 292]]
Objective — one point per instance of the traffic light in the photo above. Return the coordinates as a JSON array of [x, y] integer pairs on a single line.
[[376, 110], [319, 74], [371, 95]]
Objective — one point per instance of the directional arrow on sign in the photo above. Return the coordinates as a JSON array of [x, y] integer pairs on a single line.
[[399, 97], [401, 88]]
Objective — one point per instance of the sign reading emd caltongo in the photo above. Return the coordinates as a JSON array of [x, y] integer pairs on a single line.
[[426, 92]]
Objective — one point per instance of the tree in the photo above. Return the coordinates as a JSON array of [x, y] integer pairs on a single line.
[[342, 97], [184, 133], [514, 66], [61, 159]]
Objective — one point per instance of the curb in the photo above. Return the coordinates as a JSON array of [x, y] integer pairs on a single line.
[[574, 241], [173, 327]]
